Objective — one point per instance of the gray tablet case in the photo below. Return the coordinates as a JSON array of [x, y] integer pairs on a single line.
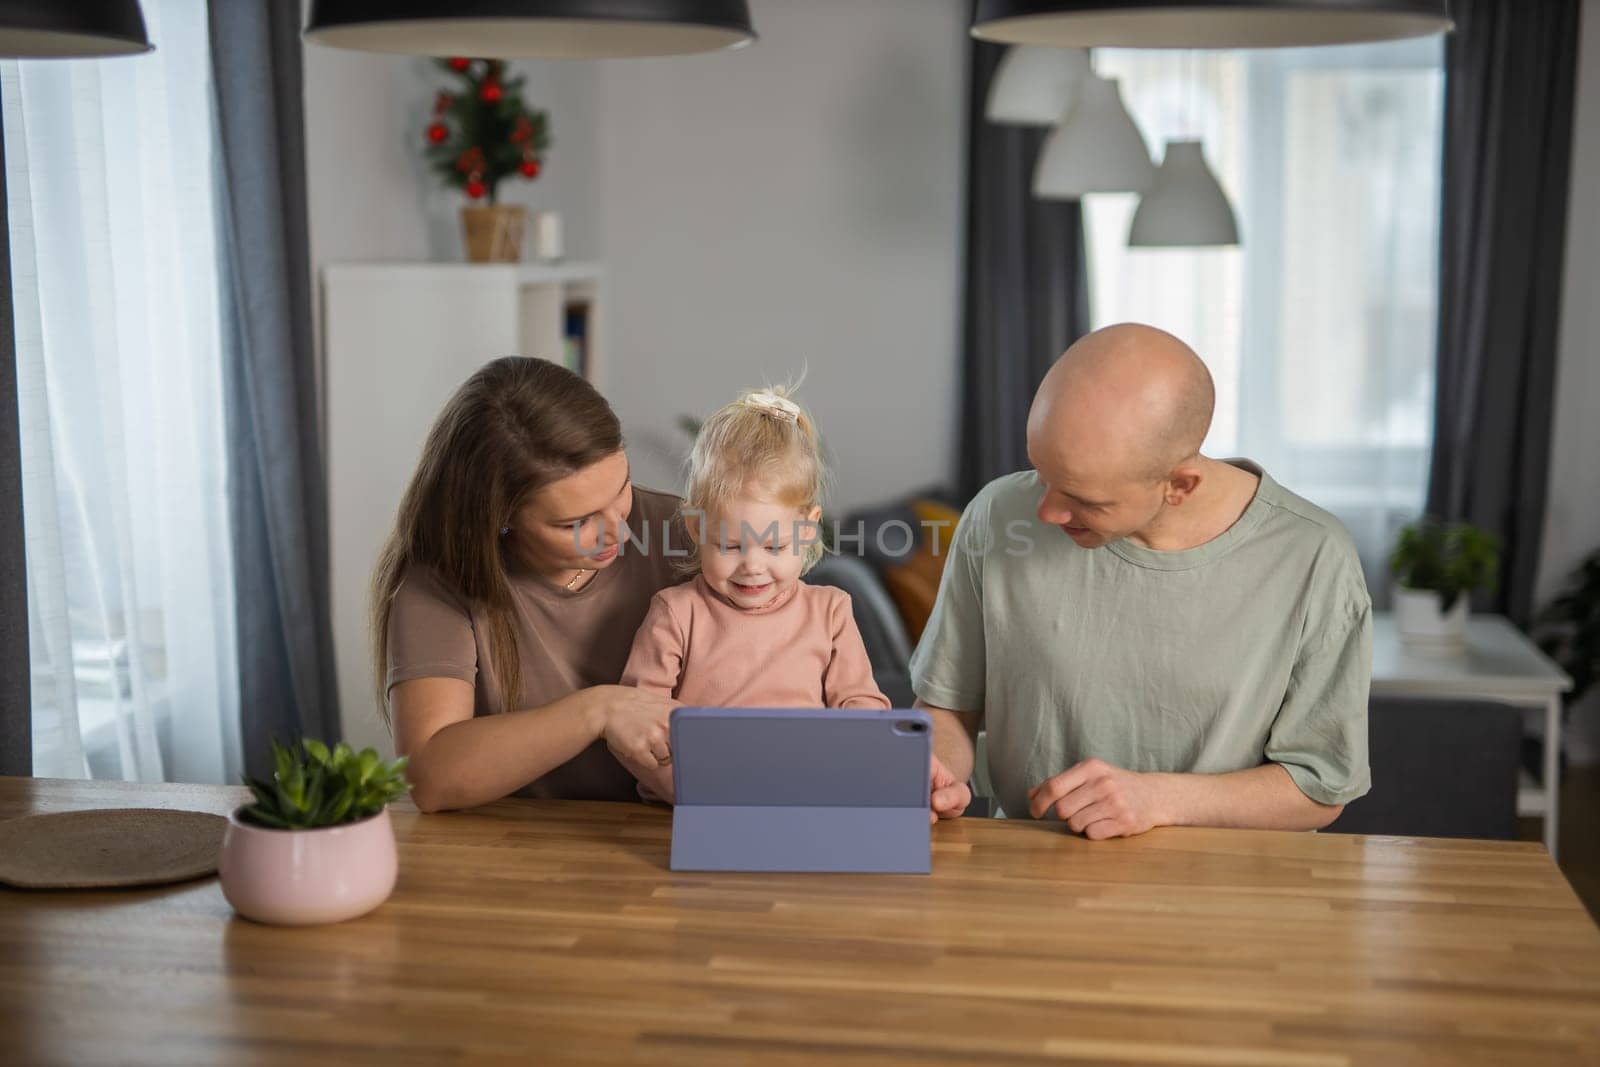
[[800, 789]]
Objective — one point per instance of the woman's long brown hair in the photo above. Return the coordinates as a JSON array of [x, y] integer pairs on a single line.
[[514, 427]]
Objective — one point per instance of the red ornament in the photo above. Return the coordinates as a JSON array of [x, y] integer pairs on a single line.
[[476, 189], [529, 168], [438, 132], [459, 63], [491, 92]]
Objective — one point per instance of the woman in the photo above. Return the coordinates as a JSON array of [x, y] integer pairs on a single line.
[[505, 602]]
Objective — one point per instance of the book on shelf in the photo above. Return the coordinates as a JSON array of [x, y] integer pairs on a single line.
[[575, 339]]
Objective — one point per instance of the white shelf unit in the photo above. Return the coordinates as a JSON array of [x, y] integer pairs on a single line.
[[397, 340]]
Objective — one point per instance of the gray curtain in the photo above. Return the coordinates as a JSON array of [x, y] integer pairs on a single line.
[[1027, 293], [278, 503], [16, 706], [1510, 69]]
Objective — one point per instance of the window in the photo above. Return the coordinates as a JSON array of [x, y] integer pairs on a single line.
[[109, 168], [1319, 330]]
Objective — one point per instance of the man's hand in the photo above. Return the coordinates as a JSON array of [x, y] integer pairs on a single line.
[[947, 798], [1099, 801]]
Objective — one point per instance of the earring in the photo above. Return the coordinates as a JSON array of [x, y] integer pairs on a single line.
[[504, 530]]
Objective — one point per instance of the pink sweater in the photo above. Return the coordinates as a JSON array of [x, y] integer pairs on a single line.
[[802, 651]]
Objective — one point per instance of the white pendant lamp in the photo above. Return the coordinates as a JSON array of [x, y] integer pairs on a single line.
[[1035, 86], [1185, 206], [1096, 149]]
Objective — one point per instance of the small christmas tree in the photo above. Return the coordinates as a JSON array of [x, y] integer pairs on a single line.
[[482, 132]]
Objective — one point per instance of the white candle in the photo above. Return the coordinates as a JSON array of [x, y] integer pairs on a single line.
[[547, 235]]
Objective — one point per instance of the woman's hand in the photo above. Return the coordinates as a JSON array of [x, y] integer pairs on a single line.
[[633, 724]]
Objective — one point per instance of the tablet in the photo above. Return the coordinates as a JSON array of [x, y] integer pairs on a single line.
[[800, 789]]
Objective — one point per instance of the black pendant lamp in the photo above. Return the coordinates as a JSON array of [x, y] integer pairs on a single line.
[[1204, 23], [548, 29], [67, 29]]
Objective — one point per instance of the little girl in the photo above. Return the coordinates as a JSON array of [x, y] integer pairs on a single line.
[[746, 631]]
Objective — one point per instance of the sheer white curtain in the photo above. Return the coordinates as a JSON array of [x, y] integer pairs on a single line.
[[113, 246], [1320, 329]]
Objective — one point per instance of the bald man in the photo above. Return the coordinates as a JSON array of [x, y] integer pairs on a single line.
[[1151, 637]]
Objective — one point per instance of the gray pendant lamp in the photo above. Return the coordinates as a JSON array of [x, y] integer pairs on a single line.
[[1097, 148], [548, 29], [1204, 23], [70, 29], [1035, 86], [1185, 206]]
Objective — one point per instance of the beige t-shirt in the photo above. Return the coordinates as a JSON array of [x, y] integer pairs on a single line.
[[568, 641], [1253, 647], [801, 651]]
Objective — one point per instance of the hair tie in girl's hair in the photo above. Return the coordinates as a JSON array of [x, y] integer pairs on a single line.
[[779, 407]]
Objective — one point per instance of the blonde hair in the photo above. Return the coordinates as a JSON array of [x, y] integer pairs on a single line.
[[763, 440]]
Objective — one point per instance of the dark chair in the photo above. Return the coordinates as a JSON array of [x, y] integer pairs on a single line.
[[882, 630], [1440, 768]]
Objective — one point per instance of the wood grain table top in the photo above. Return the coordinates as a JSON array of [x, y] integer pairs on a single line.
[[552, 931]]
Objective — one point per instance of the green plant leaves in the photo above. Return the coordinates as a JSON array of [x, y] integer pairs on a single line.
[[1451, 559], [487, 137], [1570, 628], [314, 787]]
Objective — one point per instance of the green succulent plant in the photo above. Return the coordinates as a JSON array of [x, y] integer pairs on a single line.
[[1449, 558], [314, 787]]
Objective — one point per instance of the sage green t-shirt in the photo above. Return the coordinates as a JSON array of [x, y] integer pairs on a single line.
[[1253, 647]]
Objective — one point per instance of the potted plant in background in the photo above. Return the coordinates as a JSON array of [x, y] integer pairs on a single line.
[[316, 845], [482, 133], [1436, 566]]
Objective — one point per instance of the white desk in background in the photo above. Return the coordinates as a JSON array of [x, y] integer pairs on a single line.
[[1499, 663]]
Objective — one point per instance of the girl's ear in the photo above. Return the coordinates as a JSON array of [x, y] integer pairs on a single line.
[[814, 514], [692, 521]]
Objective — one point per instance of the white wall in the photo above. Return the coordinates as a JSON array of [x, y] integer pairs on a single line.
[[366, 200], [372, 196], [794, 204], [1572, 524]]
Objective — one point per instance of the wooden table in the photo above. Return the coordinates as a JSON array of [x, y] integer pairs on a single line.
[[553, 932], [1498, 663]]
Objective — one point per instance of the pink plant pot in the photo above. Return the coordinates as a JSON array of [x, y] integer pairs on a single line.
[[302, 877]]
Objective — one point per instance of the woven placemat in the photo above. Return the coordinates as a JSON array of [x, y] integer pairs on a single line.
[[109, 847]]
